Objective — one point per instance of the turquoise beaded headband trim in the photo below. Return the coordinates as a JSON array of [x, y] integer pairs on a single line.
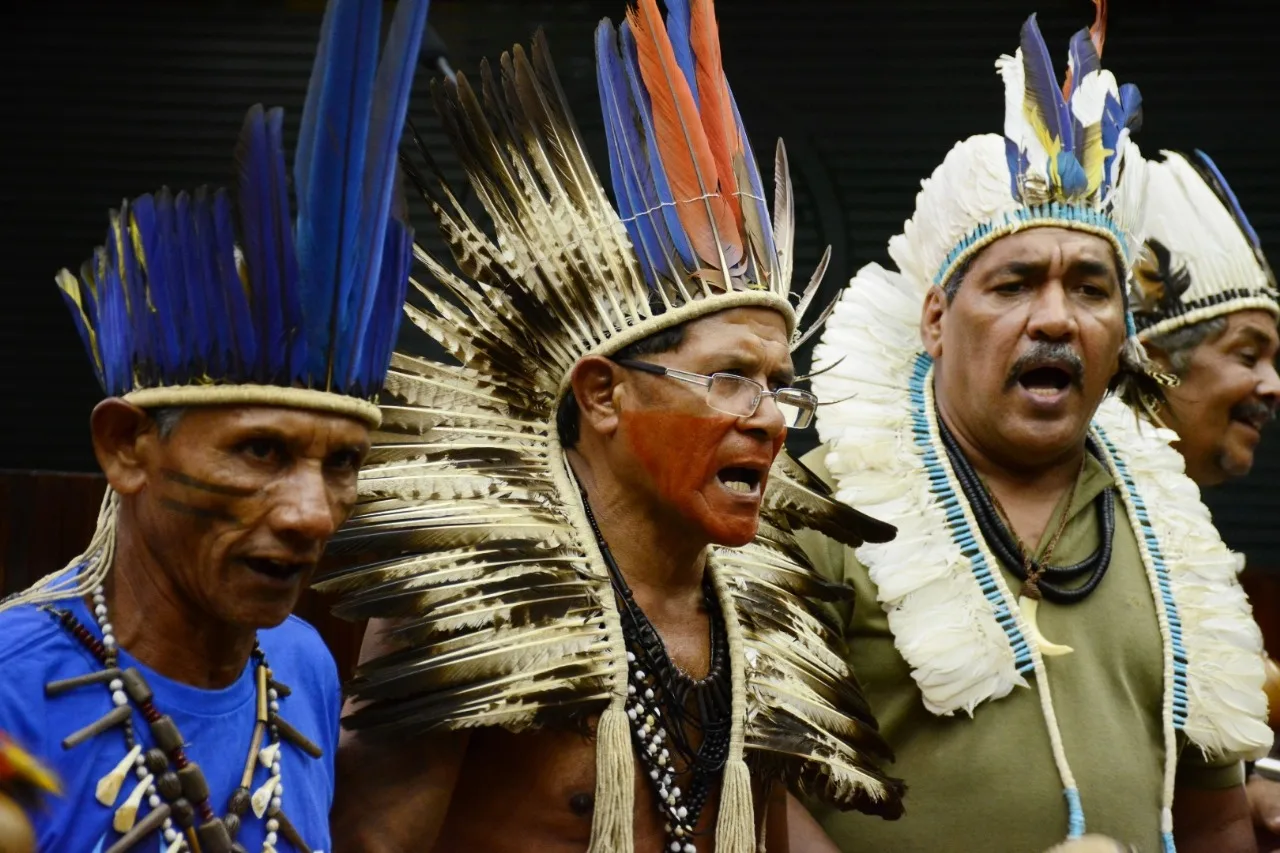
[[962, 534], [1054, 213]]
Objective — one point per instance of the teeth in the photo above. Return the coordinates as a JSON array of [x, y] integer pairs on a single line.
[[739, 486]]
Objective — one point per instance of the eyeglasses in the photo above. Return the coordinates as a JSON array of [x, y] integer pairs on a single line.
[[738, 395]]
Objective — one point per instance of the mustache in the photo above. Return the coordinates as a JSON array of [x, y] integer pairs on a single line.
[[1044, 354], [1253, 410]]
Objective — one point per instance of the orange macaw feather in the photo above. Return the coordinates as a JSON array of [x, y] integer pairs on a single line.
[[713, 94], [682, 143]]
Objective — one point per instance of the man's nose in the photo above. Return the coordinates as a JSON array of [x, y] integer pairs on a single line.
[[1051, 317], [306, 507], [767, 419], [1268, 383]]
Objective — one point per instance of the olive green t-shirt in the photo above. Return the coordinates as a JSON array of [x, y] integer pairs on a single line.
[[988, 782]]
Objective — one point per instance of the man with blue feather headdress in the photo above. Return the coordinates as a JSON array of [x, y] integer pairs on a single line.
[[1055, 643], [241, 351]]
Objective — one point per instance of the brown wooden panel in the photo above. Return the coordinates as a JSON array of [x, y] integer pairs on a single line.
[[46, 519]]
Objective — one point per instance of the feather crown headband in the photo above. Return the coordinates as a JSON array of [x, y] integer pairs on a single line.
[[1065, 160], [690, 235], [194, 300], [1202, 258]]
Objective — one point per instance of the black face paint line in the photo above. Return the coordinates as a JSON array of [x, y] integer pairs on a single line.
[[200, 512], [205, 486]]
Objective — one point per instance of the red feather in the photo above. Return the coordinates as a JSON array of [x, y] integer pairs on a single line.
[[682, 143], [1097, 34], [713, 93]]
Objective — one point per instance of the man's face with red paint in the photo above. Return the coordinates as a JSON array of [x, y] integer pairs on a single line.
[[705, 471]]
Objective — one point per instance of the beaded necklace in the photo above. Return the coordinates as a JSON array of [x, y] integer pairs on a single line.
[[657, 683], [1038, 575], [173, 786]]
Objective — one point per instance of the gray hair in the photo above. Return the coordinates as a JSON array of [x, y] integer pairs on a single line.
[[1178, 345]]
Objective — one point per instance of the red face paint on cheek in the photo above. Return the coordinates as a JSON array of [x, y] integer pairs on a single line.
[[682, 455]]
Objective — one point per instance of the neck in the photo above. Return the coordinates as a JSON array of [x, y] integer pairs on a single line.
[[1027, 493], [663, 566], [161, 627]]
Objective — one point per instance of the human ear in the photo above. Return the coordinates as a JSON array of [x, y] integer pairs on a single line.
[[1159, 356], [123, 438], [595, 383], [931, 319]]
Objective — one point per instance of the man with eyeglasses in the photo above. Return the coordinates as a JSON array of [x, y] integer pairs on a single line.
[[592, 626], [1055, 642]]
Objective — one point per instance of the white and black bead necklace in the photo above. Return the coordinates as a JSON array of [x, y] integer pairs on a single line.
[[665, 706], [173, 786]]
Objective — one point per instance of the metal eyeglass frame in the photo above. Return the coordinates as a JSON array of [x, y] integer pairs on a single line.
[[804, 402]]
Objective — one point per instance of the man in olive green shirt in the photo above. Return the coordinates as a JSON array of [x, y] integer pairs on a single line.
[[1055, 643]]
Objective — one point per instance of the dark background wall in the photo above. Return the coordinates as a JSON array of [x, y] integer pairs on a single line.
[[107, 99]]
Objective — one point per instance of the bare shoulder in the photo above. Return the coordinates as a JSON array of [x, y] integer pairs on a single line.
[[393, 791]]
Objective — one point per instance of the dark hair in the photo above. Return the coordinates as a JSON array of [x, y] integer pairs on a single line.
[[166, 419], [1178, 345], [567, 416]]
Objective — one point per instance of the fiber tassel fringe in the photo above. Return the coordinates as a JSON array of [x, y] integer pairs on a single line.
[[735, 827], [612, 829], [85, 571]]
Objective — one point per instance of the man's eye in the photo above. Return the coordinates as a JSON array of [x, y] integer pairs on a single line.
[[346, 460], [1248, 357], [1094, 291], [1009, 287], [261, 449]]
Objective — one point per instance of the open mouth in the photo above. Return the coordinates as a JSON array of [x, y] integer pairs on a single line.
[[282, 570], [1046, 380], [743, 481]]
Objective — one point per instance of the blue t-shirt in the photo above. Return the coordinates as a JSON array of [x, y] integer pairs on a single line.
[[217, 725]]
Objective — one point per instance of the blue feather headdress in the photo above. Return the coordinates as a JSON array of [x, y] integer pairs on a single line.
[[1065, 160], [195, 299]]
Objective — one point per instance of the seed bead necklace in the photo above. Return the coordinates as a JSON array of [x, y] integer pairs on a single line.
[[173, 786], [665, 704]]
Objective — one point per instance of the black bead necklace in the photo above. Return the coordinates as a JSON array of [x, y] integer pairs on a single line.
[[1049, 579], [665, 705]]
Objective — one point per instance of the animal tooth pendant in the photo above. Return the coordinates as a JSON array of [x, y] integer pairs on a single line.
[[109, 785], [262, 797], [1030, 607], [127, 814], [176, 845]]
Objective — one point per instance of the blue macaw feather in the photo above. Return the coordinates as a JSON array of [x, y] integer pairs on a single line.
[[1083, 56], [397, 256], [82, 324], [1218, 183], [1074, 180], [166, 304], [1018, 164], [243, 354], [115, 333], [121, 255], [628, 161], [1042, 89], [267, 240], [758, 197], [679, 30], [280, 232], [1084, 60], [660, 185], [329, 173], [1131, 107], [391, 89], [208, 281], [196, 318]]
